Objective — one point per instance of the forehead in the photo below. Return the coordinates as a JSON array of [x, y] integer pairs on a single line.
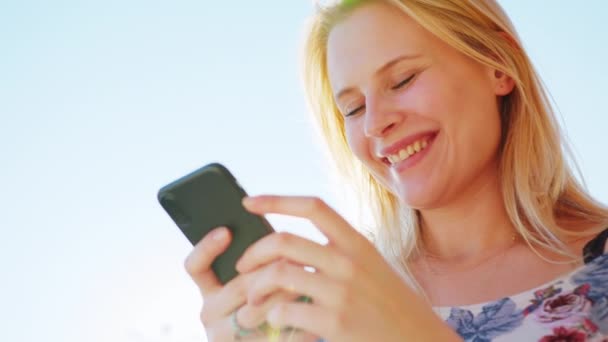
[[368, 38]]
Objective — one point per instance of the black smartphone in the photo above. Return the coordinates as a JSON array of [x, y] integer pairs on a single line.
[[208, 198]]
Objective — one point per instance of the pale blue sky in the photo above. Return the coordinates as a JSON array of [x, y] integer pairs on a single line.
[[104, 102]]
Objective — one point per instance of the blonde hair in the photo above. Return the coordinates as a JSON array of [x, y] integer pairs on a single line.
[[542, 197]]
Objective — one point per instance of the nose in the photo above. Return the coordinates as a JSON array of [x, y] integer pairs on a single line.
[[380, 117]]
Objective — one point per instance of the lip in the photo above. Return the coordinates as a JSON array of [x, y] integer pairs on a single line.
[[414, 159], [401, 144]]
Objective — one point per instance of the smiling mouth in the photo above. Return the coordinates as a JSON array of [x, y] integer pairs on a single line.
[[407, 151]]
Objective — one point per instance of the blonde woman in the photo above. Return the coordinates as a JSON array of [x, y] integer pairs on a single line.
[[434, 112]]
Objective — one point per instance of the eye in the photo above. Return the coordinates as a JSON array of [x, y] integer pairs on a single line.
[[354, 111], [404, 82]]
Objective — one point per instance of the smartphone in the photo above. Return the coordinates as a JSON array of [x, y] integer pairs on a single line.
[[208, 198]]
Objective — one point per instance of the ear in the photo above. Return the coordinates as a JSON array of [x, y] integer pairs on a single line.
[[502, 83]]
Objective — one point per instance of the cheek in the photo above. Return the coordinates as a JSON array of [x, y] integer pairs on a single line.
[[470, 132], [466, 114], [356, 139], [470, 122], [425, 101], [362, 150]]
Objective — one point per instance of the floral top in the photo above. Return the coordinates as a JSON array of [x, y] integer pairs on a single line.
[[572, 308]]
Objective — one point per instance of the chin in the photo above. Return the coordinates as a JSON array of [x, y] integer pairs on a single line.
[[419, 200], [419, 205]]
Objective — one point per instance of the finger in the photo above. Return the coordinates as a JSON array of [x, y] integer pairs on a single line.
[[231, 297], [223, 330], [283, 276], [219, 331], [251, 316], [228, 299], [295, 249], [312, 318], [337, 230], [198, 263]]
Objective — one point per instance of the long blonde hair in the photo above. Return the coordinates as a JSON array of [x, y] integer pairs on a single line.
[[544, 200]]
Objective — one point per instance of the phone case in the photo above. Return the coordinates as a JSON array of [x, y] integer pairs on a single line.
[[208, 198]]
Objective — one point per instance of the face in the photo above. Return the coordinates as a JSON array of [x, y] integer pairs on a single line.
[[420, 115]]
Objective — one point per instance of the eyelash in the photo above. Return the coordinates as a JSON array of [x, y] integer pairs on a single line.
[[395, 87], [404, 82]]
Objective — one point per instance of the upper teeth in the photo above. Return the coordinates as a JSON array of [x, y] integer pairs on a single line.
[[406, 152]]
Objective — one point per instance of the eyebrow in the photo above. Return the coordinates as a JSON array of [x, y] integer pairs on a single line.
[[383, 68]]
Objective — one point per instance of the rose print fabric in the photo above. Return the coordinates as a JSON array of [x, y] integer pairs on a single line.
[[570, 309]]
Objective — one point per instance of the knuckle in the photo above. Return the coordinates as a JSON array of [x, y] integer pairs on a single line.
[[286, 265], [251, 316], [343, 297], [190, 265], [347, 267], [236, 288], [283, 239], [315, 204], [339, 322], [246, 316], [279, 269], [205, 316]]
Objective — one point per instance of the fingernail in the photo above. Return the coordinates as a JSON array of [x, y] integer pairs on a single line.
[[239, 265], [251, 200], [219, 234], [247, 201]]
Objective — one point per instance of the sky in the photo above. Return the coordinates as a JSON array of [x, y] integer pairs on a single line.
[[104, 102]]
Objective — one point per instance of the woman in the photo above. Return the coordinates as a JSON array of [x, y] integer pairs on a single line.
[[434, 112]]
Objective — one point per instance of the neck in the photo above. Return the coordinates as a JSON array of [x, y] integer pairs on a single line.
[[472, 226]]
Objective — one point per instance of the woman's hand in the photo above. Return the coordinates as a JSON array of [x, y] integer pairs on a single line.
[[356, 295], [221, 301]]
